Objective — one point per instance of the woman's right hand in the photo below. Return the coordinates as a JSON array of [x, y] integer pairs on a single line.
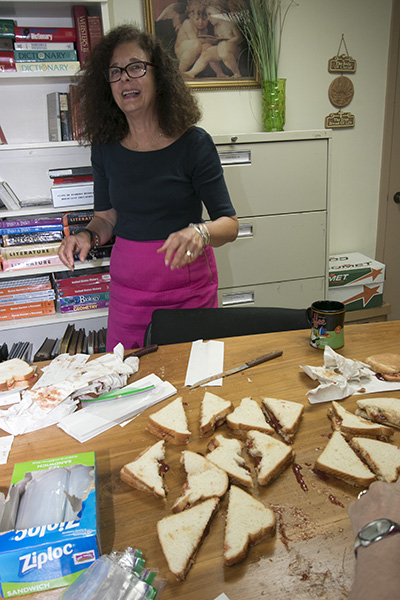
[[74, 244]]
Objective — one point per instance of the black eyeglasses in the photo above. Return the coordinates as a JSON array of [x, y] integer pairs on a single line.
[[134, 70]]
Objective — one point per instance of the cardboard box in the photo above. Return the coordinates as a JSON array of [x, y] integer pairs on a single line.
[[52, 555], [356, 280]]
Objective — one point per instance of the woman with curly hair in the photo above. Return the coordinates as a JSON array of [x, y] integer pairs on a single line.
[[153, 169]]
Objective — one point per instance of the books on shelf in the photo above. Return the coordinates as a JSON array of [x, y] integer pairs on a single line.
[[7, 61], [43, 46], [45, 34], [80, 16], [34, 309], [63, 280], [28, 250], [12, 223], [58, 117], [44, 55], [20, 239], [85, 307], [95, 26], [80, 218], [84, 298], [31, 262], [7, 28], [6, 44], [30, 226], [66, 68], [70, 171], [26, 297], [72, 195], [25, 284]]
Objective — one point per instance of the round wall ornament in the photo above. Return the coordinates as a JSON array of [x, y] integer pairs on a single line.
[[341, 91]]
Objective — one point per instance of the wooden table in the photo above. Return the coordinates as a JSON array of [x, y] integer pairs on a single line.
[[311, 555]]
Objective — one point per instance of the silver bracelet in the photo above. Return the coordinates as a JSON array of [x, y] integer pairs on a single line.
[[202, 229]]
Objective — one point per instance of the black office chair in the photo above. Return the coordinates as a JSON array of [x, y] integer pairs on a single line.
[[173, 326]]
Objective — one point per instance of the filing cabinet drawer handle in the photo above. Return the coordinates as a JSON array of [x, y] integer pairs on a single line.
[[245, 230], [237, 298]]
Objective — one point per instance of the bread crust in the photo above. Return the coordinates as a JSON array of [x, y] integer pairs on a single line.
[[386, 364], [175, 437], [15, 373], [367, 428]]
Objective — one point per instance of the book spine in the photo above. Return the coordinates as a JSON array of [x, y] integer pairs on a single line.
[[70, 171], [82, 32], [84, 280], [45, 34], [95, 26], [32, 229], [84, 299], [25, 289], [33, 262], [30, 222], [7, 28], [76, 113], [45, 55], [88, 289], [65, 117], [27, 298], [83, 307], [53, 117], [73, 195], [7, 61], [72, 179], [32, 238], [34, 309], [30, 250], [77, 218], [44, 46], [6, 44], [67, 68]]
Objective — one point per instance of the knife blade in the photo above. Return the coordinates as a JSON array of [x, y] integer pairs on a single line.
[[247, 365]]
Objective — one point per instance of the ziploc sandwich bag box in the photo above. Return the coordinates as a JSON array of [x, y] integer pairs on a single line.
[[356, 280], [46, 556]]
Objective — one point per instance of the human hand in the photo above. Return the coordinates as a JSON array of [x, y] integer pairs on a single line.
[[74, 244], [382, 500], [182, 247]]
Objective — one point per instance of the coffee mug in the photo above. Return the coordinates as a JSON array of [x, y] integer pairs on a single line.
[[326, 318]]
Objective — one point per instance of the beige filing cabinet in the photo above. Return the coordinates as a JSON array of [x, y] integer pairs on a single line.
[[279, 185]]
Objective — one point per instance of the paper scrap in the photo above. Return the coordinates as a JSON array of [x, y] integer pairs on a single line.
[[206, 360], [5, 447], [11, 397]]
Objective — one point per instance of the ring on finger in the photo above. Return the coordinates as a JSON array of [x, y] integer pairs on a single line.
[[361, 494], [189, 254]]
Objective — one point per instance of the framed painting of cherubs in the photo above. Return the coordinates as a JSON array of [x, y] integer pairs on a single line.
[[204, 40]]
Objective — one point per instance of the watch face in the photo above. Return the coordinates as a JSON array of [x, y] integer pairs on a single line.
[[375, 529]]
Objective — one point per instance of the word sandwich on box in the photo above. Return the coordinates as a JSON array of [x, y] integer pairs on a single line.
[[356, 280]]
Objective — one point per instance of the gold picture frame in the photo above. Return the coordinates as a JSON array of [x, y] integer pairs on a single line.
[[220, 61]]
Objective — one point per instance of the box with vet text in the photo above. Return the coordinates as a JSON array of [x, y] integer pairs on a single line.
[[49, 526], [356, 280]]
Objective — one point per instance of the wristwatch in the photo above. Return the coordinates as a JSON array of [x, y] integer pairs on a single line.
[[375, 531], [94, 238]]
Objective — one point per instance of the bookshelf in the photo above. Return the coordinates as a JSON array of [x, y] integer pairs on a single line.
[[26, 158]]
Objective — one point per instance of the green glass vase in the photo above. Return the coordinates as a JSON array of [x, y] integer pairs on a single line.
[[273, 94]]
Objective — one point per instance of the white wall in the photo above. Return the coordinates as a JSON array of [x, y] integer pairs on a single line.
[[311, 37]]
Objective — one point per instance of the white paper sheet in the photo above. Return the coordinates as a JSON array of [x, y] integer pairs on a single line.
[[5, 447], [96, 418], [206, 359], [11, 397]]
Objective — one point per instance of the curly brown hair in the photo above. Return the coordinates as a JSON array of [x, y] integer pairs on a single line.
[[177, 107]]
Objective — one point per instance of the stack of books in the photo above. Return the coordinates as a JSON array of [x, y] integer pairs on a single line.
[[49, 49], [30, 243], [76, 341], [27, 297], [71, 186], [89, 291]]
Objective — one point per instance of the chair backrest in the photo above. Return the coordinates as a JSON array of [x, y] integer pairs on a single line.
[[173, 326]]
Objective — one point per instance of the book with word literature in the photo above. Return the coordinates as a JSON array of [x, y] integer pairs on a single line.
[[8, 252], [31, 262], [77, 218]]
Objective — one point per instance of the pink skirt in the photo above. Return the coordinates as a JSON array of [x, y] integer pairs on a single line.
[[140, 283]]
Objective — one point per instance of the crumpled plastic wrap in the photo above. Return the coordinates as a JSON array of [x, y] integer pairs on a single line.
[[339, 378]]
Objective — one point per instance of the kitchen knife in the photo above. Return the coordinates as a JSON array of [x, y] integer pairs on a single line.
[[143, 351], [251, 363]]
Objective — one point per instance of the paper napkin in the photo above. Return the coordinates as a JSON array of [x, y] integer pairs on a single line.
[[5, 447], [206, 359]]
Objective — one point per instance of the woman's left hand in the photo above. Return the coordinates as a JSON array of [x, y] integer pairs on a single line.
[[182, 247]]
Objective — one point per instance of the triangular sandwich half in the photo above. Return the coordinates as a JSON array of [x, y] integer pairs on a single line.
[[145, 471], [248, 522], [170, 423], [350, 425], [380, 410], [272, 455], [204, 480], [181, 535], [248, 415], [284, 416], [382, 458], [226, 453], [339, 460], [213, 413]]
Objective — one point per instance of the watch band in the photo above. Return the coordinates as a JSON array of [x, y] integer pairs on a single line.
[[374, 532], [94, 237]]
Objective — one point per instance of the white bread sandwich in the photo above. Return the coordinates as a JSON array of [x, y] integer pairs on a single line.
[[272, 456], [284, 416], [226, 453], [15, 373], [351, 425], [213, 413], [248, 415], [382, 458], [380, 410], [204, 480], [146, 471], [340, 461], [170, 423], [387, 365], [181, 535], [248, 522]]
